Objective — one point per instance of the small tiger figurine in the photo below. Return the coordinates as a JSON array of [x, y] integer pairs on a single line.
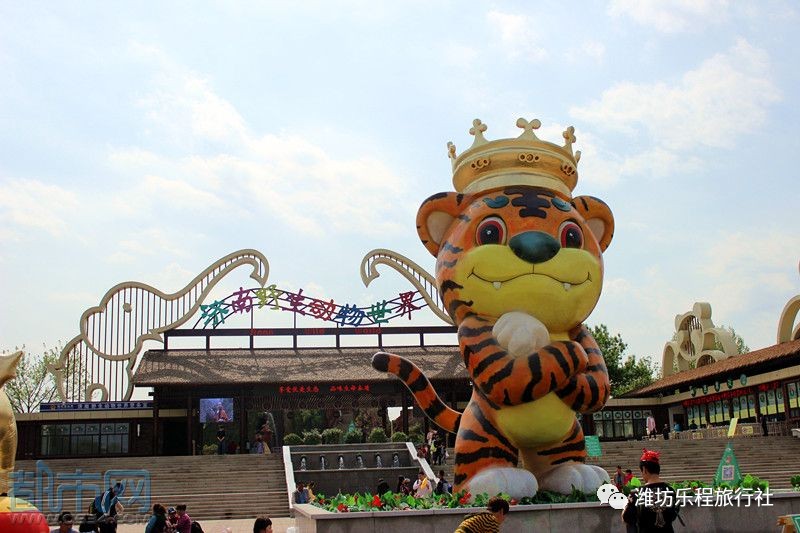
[[519, 268]]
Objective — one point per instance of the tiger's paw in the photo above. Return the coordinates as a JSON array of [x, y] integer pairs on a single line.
[[564, 477], [520, 333], [515, 482]]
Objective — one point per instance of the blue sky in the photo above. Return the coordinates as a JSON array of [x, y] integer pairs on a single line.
[[144, 141]]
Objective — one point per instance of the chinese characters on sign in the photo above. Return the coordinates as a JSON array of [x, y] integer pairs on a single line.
[[305, 389], [705, 497], [292, 389], [349, 388], [349, 315]]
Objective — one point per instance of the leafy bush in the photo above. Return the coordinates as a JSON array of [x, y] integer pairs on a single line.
[[377, 435], [292, 439], [209, 449], [312, 437], [690, 484], [399, 436], [352, 437], [795, 480], [332, 436], [754, 482], [306, 420], [416, 438]]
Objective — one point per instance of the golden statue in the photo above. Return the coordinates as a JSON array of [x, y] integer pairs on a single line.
[[8, 424], [12, 509]]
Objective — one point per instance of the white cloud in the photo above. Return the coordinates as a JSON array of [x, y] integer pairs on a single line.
[[241, 173], [517, 36], [28, 203], [712, 105], [671, 16], [725, 97], [595, 50], [746, 276]]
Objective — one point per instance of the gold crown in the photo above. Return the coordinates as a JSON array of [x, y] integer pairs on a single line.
[[526, 160]]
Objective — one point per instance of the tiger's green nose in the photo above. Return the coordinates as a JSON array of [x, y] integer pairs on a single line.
[[534, 246]]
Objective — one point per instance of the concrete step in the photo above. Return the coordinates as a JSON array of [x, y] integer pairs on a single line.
[[212, 487], [684, 459]]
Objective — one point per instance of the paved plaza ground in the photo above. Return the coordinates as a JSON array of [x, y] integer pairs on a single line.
[[279, 525]]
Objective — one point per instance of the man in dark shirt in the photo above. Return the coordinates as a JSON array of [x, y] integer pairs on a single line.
[[652, 508], [301, 494], [442, 486], [221, 440]]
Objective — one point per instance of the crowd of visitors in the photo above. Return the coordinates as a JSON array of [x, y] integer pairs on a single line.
[[172, 520], [434, 449], [421, 488], [259, 445], [103, 518]]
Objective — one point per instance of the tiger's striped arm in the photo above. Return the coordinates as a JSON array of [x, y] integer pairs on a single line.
[[588, 391], [508, 380]]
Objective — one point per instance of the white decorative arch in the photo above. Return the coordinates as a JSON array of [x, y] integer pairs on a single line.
[[695, 340], [787, 330], [102, 356]]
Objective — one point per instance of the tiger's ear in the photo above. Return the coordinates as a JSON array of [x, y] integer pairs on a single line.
[[598, 217], [435, 216]]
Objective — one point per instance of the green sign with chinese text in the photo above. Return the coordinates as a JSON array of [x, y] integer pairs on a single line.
[[593, 446]]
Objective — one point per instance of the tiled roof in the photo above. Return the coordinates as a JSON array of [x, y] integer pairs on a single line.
[[242, 366], [787, 354]]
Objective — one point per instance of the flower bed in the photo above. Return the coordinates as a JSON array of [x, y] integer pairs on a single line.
[[390, 501]]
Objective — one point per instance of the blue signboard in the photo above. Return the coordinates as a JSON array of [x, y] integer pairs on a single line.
[[94, 406]]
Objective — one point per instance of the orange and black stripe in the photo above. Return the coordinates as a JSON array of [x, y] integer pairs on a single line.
[[420, 387]]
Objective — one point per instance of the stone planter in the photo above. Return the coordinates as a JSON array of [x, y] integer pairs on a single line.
[[566, 517]]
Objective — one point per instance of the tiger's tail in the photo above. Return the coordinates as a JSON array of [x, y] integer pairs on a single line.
[[434, 408]]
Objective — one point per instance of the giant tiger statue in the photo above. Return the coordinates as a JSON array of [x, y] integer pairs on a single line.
[[519, 268]]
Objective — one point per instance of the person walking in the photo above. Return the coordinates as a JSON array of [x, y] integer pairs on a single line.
[[488, 521], [107, 504]]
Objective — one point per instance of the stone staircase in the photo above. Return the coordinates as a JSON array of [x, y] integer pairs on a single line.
[[214, 487], [770, 458]]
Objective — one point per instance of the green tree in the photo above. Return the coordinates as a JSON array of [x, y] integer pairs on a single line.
[[34, 384], [626, 372], [740, 344], [303, 420]]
